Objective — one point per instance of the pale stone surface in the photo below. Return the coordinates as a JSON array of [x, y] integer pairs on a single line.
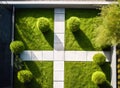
[[59, 46], [58, 38], [58, 55], [58, 84], [58, 75], [59, 65], [59, 10], [114, 66], [59, 17], [26, 56], [37, 55], [48, 55], [59, 27], [69, 55], [80, 56]]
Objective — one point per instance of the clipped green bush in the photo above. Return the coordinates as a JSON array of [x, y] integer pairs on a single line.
[[43, 24], [99, 58], [24, 76], [98, 77], [17, 47], [73, 24]]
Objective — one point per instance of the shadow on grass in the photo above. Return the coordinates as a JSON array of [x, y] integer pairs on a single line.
[[49, 36], [83, 40], [105, 85], [37, 71], [107, 70], [33, 84]]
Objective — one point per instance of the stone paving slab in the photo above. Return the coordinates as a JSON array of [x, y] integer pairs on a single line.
[[59, 28], [26, 56], [59, 10], [58, 46], [37, 55], [58, 76], [58, 38], [48, 55], [58, 55], [58, 85], [75, 56], [59, 17], [58, 65]]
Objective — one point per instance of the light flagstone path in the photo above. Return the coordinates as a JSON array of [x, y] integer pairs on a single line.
[[58, 55]]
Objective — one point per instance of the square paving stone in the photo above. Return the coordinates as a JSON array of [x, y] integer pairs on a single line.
[[58, 55], [48, 55], [58, 75], [58, 65], [58, 84], [37, 55], [59, 27], [58, 38], [26, 56]]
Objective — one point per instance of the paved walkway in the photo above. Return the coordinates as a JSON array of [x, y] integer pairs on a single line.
[[58, 55]]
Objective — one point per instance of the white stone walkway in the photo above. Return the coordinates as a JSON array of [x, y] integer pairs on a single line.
[[59, 28], [58, 55]]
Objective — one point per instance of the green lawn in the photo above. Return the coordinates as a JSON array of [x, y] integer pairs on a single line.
[[27, 31], [83, 39], [42, 72], [78, 74]]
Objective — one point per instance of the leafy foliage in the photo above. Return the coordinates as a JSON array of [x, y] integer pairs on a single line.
[[73, 24], [109, 30], [99, 58], [17, 47], [98, 77], [43, 24], [25, 76]]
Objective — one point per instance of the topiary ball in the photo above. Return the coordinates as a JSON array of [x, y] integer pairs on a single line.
[[24, 76], [98, 77], [99, 58], [43, 24], [73, 24], [17, 47]]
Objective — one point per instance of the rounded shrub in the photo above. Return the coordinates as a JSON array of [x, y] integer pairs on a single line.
[[99, 58], [43, 24], [17, 47], [98, 77], [73, 24], [24, 76]]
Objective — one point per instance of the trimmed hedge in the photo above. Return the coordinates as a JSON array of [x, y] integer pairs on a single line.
[[43, 24], [99, 58], [25, 76], [98, 77], [73, 24], [17, 47]]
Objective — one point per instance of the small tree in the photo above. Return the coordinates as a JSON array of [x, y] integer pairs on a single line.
[[109, 31]]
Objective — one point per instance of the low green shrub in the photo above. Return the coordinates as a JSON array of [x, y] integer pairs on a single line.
[[99, 58], [43, 24], [24, 76], [17, 47], [73, 23], [98, 77]]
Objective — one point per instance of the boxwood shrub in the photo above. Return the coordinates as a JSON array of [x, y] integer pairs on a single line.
[[73, 24], [98, 77], [24, 76], [99, 58], [17, 47], [43, 24]]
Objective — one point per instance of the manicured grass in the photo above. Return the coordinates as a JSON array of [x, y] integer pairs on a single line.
[[83, 39], [78, 74], [42, 72], [27, 31]]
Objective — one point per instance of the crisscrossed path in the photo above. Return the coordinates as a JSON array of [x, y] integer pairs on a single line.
[[58, 55]]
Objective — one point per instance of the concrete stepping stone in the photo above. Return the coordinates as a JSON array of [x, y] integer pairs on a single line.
[[26, 56]]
